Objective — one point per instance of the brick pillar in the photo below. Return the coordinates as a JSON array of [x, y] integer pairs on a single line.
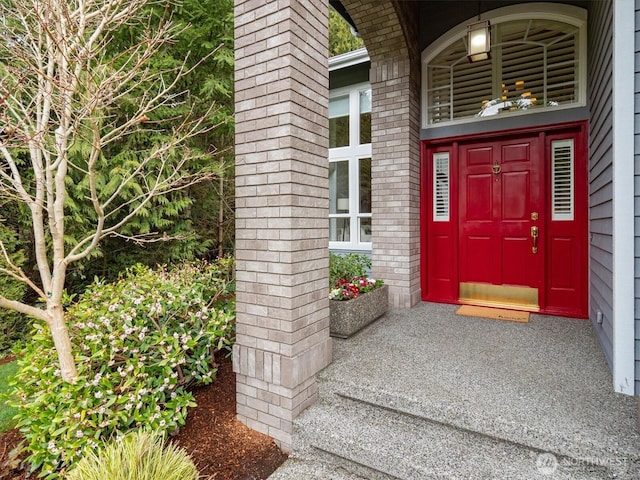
[[395, 178], [281, 96], [389, 30]]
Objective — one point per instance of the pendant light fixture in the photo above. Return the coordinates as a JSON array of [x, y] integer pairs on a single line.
[[479, 39]]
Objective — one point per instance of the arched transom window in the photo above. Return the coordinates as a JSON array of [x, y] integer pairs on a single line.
[[537, 63]]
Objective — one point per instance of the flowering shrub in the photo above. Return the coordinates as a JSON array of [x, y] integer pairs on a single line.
[[347, 276], [138, 344], [348, 289]]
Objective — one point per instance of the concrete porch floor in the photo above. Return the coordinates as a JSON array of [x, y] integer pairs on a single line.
[[497, 399]]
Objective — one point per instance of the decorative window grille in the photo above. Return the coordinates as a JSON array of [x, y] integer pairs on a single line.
[[441, 187], [534, 63], [562, 180]]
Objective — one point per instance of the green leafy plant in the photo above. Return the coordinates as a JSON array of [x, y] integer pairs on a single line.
[[138, 456], [138, 344], [122, 134], [347, 267], [348, 276], [6, 412]]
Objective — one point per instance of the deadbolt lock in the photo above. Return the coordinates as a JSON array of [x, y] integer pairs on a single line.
[[534, 215]]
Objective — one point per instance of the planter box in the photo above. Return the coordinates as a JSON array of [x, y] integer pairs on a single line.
[[347, 317]]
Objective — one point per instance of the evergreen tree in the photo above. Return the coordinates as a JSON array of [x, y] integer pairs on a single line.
[[197, 221], [100, 134], [341, 38]]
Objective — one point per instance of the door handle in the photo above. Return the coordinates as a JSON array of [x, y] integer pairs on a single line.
[[534, 237]]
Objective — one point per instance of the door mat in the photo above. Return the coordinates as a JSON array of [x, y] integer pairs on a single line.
[[495, 313]]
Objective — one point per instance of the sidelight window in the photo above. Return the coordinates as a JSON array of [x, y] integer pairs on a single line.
[[441, 187], [562, 183]]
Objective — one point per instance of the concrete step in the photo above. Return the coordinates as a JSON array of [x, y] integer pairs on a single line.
[[312, 469], [378, 442], [428, 395], [587, 447]]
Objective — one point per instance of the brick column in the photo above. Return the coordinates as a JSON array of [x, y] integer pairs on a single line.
[[395, 178], [281, 96], [389, 30]]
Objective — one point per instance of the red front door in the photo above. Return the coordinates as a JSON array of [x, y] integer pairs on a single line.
[[504, 220], [501, 210]]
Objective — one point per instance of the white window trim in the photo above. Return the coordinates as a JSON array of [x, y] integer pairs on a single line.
[[530, 11], [623, 342], [344, 60], [352, 153]]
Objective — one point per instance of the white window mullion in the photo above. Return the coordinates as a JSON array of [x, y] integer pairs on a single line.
[[353, 197], [545, 97], [496, 65], [451, 100], [354, 117]]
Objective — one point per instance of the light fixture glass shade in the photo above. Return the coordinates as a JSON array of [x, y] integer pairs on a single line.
[[479, 41]]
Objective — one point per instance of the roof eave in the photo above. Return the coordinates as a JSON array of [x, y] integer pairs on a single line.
[[349, 59]]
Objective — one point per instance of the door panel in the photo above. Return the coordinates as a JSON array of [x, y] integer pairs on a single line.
[[479, 156], [561, 275], [500, 183], [513, 250], [479, 198], [477, 258], [441, 264], [500, 186], [514, 204], [567, 262]]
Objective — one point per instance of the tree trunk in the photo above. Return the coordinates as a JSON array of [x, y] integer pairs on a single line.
[[220, 217], [62, 343]]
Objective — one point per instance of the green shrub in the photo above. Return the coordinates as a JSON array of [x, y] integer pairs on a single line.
[[138, 344], [6, 412], [347, 267], [139, 456], [14, 327]]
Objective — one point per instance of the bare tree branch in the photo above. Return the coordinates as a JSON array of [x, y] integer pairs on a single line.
[[152, 237], [23, 308], [60, 93]]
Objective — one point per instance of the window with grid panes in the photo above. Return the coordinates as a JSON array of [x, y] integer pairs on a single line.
[[350, 168]]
